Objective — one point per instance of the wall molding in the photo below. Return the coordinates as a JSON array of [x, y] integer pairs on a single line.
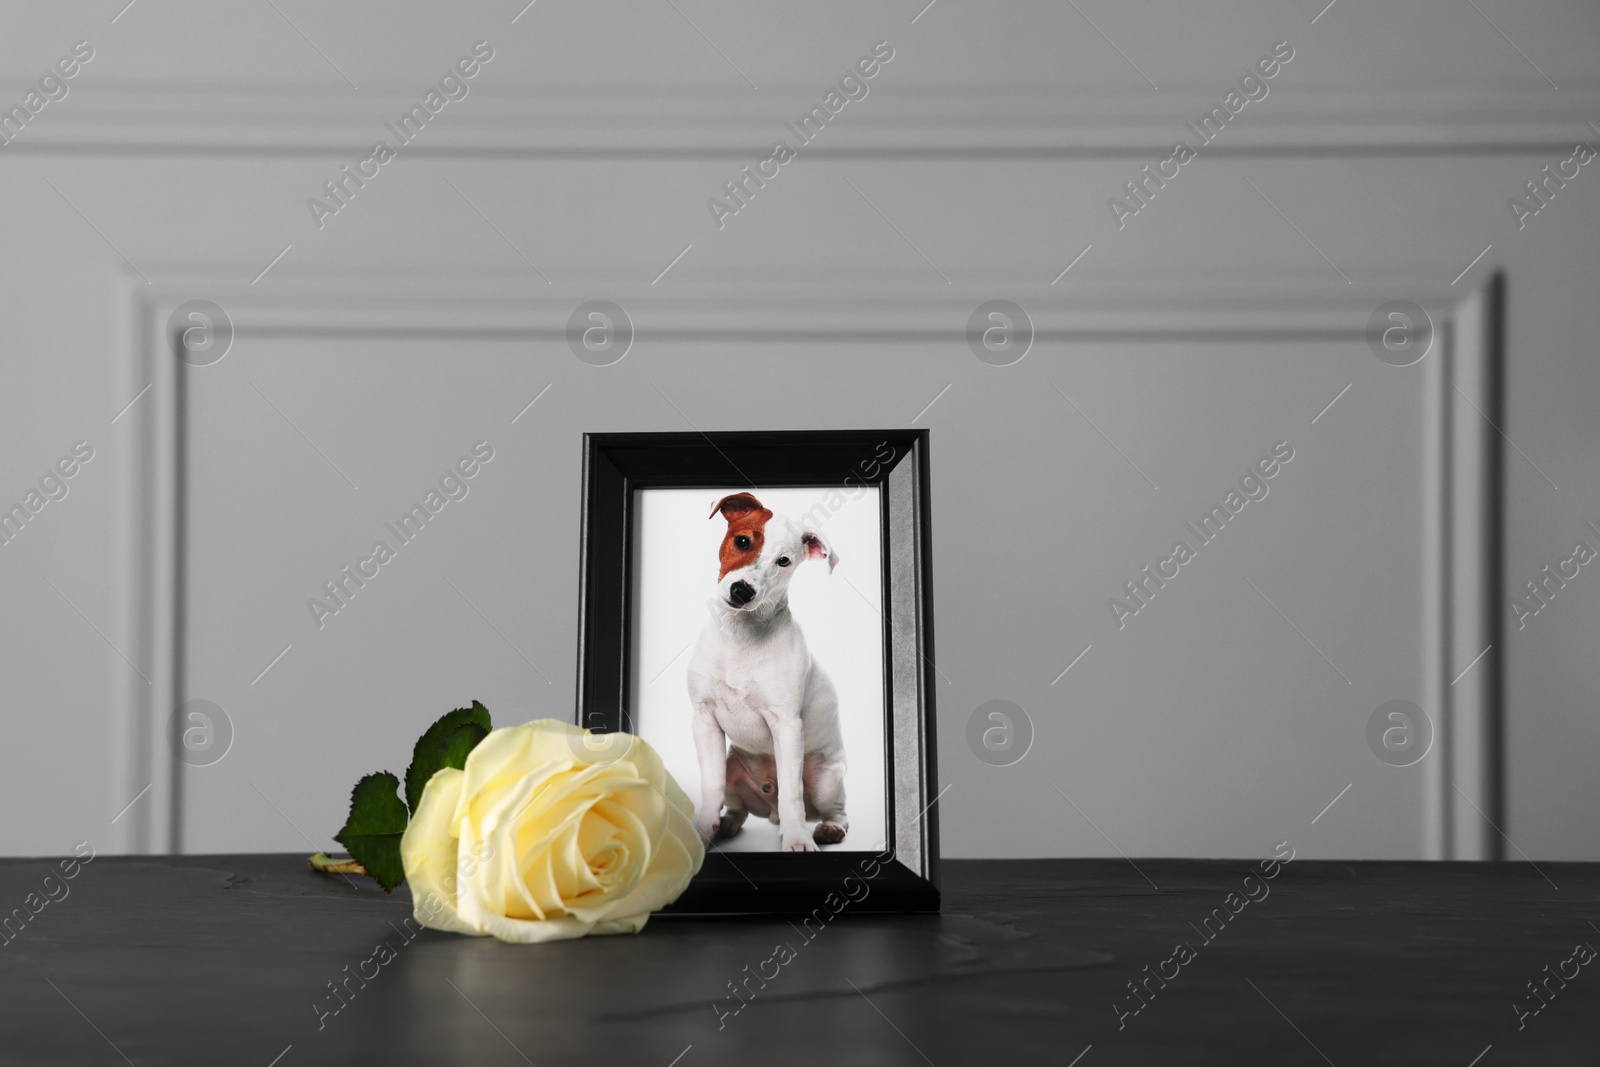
[[896, 121], [1266, 306], [1463, 581], [146, 575], [904, 304]]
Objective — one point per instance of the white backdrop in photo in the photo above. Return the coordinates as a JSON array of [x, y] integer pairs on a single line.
[[675, 572]]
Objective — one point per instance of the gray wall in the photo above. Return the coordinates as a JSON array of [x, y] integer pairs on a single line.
[[416, 321]]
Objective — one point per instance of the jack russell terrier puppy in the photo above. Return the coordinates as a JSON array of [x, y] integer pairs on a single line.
[[752, 682]]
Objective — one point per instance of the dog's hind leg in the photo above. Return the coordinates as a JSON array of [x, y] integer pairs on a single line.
[[824, 785]]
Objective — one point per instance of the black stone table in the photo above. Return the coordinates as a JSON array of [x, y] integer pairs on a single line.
[[229, 960]]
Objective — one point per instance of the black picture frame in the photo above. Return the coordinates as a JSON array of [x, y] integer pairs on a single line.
[[615, 466]]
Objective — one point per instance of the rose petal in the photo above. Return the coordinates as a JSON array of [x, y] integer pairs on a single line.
[[428, 849]]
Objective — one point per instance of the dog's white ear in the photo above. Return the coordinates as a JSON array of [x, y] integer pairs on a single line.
[[817, 548], [735, 505]]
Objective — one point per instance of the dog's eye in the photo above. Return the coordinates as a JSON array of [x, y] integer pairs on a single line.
[[783, 561], [742, 543]]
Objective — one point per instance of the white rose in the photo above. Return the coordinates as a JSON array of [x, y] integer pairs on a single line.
[[534, 840]]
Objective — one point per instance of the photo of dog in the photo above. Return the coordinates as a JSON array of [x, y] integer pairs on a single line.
[[772, 702], [762, 705]]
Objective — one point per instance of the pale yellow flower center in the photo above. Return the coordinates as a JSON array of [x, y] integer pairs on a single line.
[[609, 864]]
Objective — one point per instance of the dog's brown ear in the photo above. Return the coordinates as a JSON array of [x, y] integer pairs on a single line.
[[734, 506]]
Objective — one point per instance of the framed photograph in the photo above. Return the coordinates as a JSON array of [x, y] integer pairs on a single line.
[[758, 607]]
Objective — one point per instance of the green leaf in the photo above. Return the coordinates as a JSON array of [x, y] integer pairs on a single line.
[[459, 745], [428, 755], [372, 832]]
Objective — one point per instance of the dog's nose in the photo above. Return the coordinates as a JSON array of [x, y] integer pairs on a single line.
[[741, 593]]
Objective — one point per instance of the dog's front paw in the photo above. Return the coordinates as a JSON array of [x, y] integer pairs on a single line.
[[792, 842], [708, 829], [828, 833]]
